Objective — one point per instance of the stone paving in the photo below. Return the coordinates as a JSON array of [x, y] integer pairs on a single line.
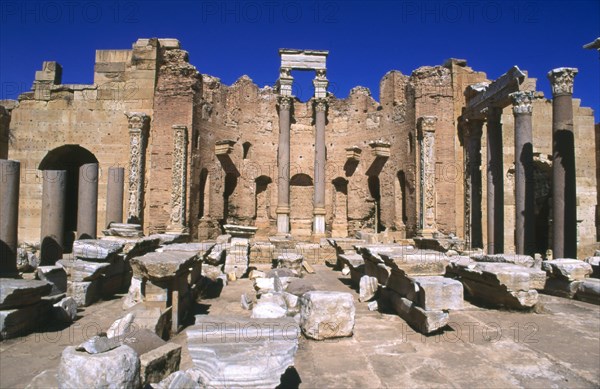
[[557, 347]]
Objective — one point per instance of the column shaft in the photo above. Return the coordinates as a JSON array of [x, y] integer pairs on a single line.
[[319, 168], [283, 166], [10, 172], [495, 183], [114, 195], [87, 201], [53, 215], [564, 202]]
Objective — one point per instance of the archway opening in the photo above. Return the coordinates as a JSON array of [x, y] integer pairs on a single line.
[[69, 158]]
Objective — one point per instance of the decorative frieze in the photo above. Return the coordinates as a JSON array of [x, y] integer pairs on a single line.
[[138, 137], [426, 125], [179, 179]]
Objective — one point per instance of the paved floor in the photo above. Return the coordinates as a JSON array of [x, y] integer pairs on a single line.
[[557, 347]]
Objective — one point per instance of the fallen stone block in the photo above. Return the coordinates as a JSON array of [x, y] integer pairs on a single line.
[[117, 368], [367, 288], [177, 380], [502, 284], [595, 263], [291, 261], [429, 292], [99, 344], [325, 314], [65, 311], [54, 275], [588, 290], [242, 353], [567, 269], [80, 270], [561, 287], [159, 363], [269, 285], [85, 293], [236, 259], [298, 286], [423, 321], [163, 266], [424, 263], [516, 259], [268, 310], [21, 321], [98, 250], [16, 293], [167, 239]]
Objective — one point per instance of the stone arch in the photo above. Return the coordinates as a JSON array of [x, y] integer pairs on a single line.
[[339, 225], [301, 204], [67, 158]]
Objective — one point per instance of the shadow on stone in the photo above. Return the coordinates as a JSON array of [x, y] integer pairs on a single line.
[[290, 379]]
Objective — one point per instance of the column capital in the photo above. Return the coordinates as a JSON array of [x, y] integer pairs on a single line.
[[561, 80], [137, 120], [320, 104], [427, 123], [284, 102], [522, 102]]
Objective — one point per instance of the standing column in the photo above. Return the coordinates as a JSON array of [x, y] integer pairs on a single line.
[[524, 184], [283, 165], [114, 195], [564, 202], [10, 172], [426, 125], [138, 125], [87, 201], [179, 180], [495, 182], [320, 107], [472, 141], [54, 194]]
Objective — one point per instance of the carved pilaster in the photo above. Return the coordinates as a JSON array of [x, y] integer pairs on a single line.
[[179, 180], [426, 125], [561, 80], [138, 134], [521, 102]]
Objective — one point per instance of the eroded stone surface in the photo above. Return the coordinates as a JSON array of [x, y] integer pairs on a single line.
[[567, 269], [96, 249], [17, 293], [165, 265], [325, 314]]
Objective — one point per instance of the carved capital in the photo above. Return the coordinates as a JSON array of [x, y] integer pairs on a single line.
[[561, 80], [138, 121], [426, 123], [284, 102], [522, 102], [320, 105], [285, 72], [321, 74]]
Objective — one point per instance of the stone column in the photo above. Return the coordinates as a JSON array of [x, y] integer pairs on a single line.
[[495, 182], [114, 195], [524, 181], [54, 194], [138, 125], [472, 143], [320, 107], [283, 166], [87, 201], [564, 202], [10, 173], [179, 180], [426, 125]]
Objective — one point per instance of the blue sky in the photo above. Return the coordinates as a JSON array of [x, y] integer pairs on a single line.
[[365, 38]]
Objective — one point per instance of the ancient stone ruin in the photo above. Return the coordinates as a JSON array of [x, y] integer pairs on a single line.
[[241, 230]]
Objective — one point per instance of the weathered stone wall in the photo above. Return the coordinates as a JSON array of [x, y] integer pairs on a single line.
[[91, 116], [4, 131], [233, 135]]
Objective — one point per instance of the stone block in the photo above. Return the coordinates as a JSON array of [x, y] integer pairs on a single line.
[[516, 259], [325, 314], [84, 292], [80, 270], [98, 250], [595, 263], [567, 269], [268, 310], [423, 321], [417, 264], [242, 353], [291, 261], [159, 363], [367, 288], [178, 380], [118, 368], [163, 266], [65, 311], [20, 321], [16, 293], [588, 290]]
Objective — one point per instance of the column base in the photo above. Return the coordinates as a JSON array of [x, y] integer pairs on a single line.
[[283, 223]]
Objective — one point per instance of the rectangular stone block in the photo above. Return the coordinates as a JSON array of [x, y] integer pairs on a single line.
[[429, 292], [20, 321], [84, 292], [423, 321], [567, 269], [157, 364]]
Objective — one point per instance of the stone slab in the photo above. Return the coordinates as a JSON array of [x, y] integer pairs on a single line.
[[327, 314], [97, 249], [567, 269], [16, 293], [423, 321], [159, 363], [164, 266]]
